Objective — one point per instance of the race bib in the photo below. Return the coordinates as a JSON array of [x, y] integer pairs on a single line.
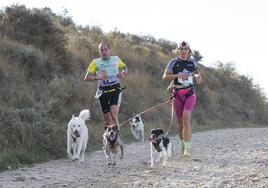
[[109, 80], [186, 81]]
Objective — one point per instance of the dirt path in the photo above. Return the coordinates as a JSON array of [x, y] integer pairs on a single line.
[[221, 158]]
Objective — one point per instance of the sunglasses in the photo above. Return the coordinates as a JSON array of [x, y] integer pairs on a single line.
[[104, 49], [183, 48]]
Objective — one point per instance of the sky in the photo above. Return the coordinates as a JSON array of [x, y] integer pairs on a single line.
[[229, 31]]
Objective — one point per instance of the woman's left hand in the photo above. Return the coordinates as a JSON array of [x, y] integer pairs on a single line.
[[198, 79]]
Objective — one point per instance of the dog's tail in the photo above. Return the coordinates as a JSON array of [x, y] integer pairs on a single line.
[[84, 114]]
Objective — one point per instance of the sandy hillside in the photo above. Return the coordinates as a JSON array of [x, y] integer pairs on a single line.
[[221, 158]]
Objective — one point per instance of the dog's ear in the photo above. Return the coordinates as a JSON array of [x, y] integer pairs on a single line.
[[137, 118], [105, 127], [152, 131], [72, 116], [161, 131]]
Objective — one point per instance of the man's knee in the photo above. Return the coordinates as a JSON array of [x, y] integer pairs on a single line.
[[114, 109]]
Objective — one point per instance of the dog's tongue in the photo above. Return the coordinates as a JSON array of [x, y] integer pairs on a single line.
[[76, 134]]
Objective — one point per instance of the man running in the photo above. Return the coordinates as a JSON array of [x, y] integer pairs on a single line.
[[107, 70]]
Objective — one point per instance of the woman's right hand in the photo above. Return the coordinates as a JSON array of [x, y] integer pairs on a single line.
[[183, 75]]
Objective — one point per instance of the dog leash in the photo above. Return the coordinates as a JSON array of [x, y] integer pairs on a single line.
[[171, 116], [148, 110]]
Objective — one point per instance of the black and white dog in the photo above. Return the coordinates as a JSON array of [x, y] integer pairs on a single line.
[[137, 127], [111, 144], [161, 147]]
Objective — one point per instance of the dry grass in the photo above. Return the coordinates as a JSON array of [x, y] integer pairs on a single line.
[[42, 86]]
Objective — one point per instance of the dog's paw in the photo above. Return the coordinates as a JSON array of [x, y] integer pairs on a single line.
[[75, 159], [70, 156], [121, 156], [151, 167]]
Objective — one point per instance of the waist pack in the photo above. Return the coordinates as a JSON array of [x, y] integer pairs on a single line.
[[107, 89], [183, 92]]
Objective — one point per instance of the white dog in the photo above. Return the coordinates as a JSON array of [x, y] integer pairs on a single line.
[[137, 127], [161, 147], [112, 143], [77, 136]]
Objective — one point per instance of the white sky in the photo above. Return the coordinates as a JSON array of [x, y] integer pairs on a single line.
[[221, 30]]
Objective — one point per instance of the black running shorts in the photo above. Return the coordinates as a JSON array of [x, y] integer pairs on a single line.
[[110, 98]]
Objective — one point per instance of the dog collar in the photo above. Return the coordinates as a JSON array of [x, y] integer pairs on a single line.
[[112, 142], [74, 138]]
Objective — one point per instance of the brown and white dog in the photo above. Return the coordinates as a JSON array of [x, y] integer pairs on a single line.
[[161, 147], [112, 143]]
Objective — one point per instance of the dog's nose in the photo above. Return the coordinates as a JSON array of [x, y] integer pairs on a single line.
[[76, 131]]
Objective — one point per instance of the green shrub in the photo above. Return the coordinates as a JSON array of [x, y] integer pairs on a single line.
[[41, 80], [35, 27]]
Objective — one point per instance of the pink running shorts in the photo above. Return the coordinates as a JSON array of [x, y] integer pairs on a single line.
[[182, 102]]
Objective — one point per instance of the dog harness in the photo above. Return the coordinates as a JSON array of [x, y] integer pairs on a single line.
[[74, 138], [112, 142]]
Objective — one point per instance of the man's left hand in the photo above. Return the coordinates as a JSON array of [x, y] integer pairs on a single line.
[[121, 75]]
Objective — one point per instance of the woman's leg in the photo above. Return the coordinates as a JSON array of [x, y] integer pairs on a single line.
[[178, 108], [180, 124], [187, 128]]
